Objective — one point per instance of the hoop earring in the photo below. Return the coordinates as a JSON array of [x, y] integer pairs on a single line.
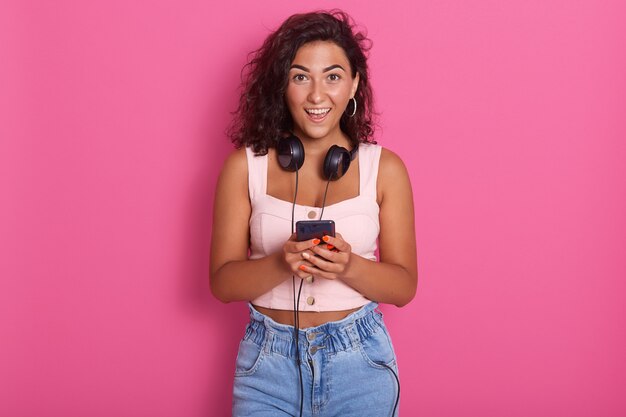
[[353, 111]]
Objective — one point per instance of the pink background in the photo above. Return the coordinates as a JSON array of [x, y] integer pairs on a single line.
[[511, 117]]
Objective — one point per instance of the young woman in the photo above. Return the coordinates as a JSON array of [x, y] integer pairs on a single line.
[[306, 93]]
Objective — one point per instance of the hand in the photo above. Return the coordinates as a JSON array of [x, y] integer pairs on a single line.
[[293, 255], [333, 260]]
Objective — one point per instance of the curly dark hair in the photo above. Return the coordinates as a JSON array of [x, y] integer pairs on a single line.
[[262, 115]]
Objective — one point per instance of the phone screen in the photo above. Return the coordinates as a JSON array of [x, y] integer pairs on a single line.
[[311, 229]]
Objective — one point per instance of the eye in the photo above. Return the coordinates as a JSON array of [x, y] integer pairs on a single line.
[[334, 77], [299, 77]]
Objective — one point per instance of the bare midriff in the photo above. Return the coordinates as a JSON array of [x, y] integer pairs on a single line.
[[306, 318]]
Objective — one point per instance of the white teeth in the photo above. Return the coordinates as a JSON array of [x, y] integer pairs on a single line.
[[317, 111]]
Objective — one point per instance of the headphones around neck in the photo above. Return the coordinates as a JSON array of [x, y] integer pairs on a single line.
[[291, 157]]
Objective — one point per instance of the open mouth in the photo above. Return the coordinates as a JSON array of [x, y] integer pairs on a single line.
[[317, 114]]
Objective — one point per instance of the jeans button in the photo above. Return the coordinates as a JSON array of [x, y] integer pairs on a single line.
[[313, 350], [311, 336]]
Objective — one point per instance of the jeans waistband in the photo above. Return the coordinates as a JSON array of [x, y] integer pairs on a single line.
[[332, 337]]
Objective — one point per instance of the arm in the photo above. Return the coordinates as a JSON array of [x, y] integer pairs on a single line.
[[233, 276], [393, 280]]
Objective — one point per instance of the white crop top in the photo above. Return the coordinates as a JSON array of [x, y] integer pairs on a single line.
[[355, 218]]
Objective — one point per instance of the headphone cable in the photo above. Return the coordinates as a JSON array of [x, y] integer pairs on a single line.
[[296, 303], [296, 332], [393, 412], [324, 199]]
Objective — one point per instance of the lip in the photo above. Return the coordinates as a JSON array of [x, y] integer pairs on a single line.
[[316, 119]]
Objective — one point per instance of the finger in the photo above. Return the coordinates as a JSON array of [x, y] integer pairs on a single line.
[[328, 254], [329, 245], [321, 263], [295, 247], [294, 260], [304, 269], [307, 244], [337, 242], [304, 275], [318, 273]]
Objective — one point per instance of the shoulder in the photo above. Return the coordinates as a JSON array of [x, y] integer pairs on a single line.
[[390, 162], [236, 161], [234, 171], [391, 167], [392, 174], [235, 167]]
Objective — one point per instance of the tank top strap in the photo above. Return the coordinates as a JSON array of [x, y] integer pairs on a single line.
[[257, 174], [369, 159]]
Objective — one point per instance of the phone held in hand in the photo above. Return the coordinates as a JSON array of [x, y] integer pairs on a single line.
[[311, 229]]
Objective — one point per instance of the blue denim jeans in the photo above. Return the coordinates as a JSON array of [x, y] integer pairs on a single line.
[[344, 368]]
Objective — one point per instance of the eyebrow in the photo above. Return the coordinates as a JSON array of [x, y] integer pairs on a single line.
[[303, 68]]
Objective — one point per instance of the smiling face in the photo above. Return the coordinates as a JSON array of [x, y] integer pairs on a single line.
[[320, 86]]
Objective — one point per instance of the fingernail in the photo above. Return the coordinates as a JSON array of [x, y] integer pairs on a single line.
[[302, 268], [329, 246], [305, 255], [316, 241], [326, 238]]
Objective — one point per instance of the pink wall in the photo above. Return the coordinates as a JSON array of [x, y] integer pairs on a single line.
[[509, 115]]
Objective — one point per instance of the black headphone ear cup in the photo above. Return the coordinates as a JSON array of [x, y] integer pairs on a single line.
[[336, 163], [290, 153]]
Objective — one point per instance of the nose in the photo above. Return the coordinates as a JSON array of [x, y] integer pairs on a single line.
[[316, 93]]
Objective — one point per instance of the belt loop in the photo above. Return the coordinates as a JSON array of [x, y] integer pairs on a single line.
[[267, 343], [354, 336]]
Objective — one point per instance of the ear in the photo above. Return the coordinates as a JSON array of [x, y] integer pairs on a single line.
[[355, 84]]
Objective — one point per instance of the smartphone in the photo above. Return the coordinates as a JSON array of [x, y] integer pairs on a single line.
[[311, 229]]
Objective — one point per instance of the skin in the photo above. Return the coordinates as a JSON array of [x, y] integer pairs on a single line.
[[320, 78]]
